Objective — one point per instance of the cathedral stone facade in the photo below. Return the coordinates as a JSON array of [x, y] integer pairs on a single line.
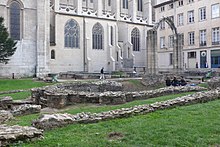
[[76, 35]]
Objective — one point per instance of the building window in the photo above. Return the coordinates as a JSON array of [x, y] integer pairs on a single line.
[[112, 35], [71, 33], [162, 25], [202, 13], [171, 58], [135, 39], [109, 2], [191, 55], [191, 38], [15, 20], [162, 42], [215, 10], [215, 36], [191, 1], [190, 16], [180, 19], [170, 6], [97, 36], [140, 5], [52, 54], [202, 38], [171, 41], [162, 8], [180, 3], [125, 4], [182, 38], [171, 18]]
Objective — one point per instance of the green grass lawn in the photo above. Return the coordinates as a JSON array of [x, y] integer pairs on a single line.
[[18, 96], [26, 120], [19, 84], [15, 84], [194, 125]]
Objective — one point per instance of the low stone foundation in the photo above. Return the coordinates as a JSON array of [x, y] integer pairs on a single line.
[[13, 134], [18, 107], [6, 103], [25, 109], [153, 80], [58, 120], [61, 97], [214, 83], [5, 116]]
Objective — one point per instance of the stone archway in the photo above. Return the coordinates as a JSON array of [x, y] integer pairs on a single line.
[[152, 47]]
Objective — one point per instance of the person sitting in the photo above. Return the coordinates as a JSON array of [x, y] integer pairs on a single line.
[[182, 81], [168, 81], [175, 82]]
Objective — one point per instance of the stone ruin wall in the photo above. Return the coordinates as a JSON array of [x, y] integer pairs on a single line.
[[153, 80], [68, 95], [60, 95], [213, 83], [14, 134], [50, 121]]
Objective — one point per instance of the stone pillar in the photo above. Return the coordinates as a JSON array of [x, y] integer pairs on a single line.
[[177, 53], [180, 52], [116, 8], [56, 5], [99, 7], [147, 11], [151, 52], [132, 8], [43, 40], [208, 58], [79, 6]]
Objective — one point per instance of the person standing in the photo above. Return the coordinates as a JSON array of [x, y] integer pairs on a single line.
[[206, 65], [168, 81], [102, 76], [197, 65]]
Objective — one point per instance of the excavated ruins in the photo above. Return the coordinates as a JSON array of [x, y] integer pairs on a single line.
[[59, 120], [101, 92]]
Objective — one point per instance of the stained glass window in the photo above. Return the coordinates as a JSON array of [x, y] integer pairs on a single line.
[[97, 36], [71, 33], [125, 4], [135, 39], [15, 22], [140, 5]]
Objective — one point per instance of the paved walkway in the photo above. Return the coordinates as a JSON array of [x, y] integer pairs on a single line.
[[111, 79]]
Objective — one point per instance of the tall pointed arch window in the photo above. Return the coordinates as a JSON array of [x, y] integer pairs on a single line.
[[135, 39], [140, 5], [71, 33], [97, 36], [15, 20], [125, 4]]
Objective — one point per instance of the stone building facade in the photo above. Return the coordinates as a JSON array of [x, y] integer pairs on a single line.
[[198, 22], [76, 35]]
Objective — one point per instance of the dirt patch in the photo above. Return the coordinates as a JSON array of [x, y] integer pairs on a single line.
[[115, 136], [133, 86], [48, 110], [137, 85]]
